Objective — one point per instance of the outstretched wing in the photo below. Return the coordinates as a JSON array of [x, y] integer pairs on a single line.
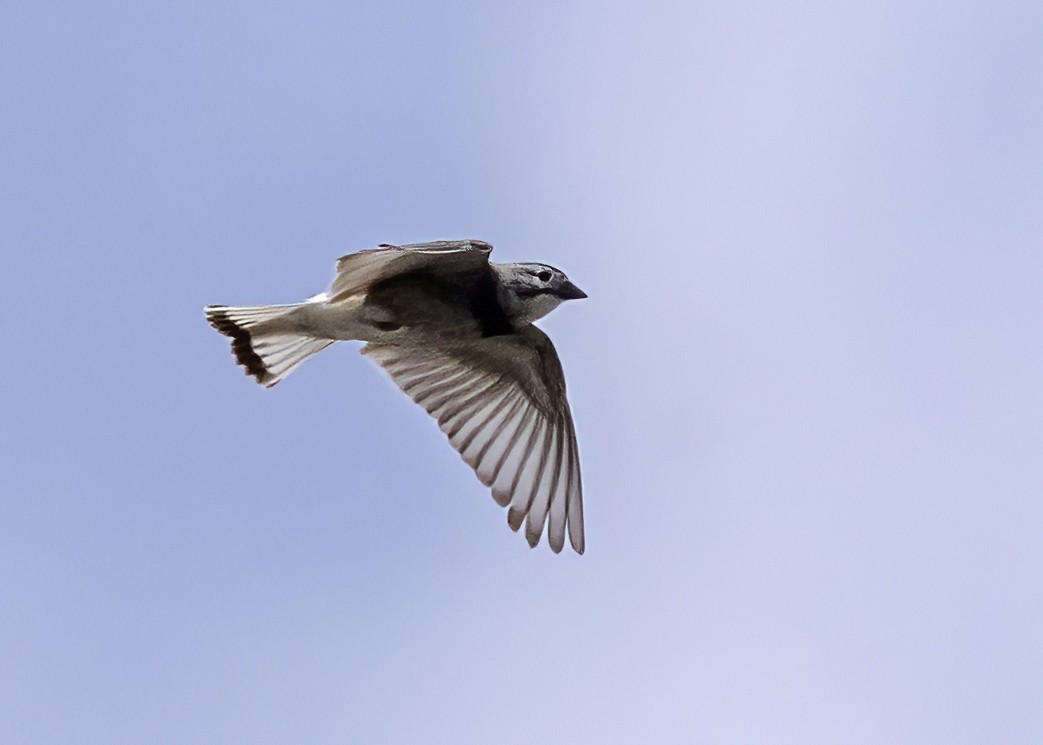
[[357, 271], [501, 401]]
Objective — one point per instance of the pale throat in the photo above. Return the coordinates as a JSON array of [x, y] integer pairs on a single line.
[[526, 309]]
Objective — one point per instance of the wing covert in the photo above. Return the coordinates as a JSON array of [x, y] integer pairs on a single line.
[[357, 271]]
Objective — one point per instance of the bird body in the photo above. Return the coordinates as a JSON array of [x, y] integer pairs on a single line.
[[454, 332]]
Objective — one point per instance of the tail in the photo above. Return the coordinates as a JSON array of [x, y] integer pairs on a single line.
[[264, 340]]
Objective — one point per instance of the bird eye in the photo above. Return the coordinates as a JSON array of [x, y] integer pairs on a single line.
[[543, 276]]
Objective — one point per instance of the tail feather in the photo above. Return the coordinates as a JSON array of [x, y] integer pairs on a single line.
[[263, 341]]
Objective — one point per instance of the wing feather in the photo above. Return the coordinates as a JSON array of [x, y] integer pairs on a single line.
[[501, 402], [526, 478], [548, 486], [573, 506], [474, 443], [357, 271]]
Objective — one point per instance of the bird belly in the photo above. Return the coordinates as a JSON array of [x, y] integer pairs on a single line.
[[356, 319], [342, 320]]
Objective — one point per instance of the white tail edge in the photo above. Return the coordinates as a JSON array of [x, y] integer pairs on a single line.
[[263, 339]]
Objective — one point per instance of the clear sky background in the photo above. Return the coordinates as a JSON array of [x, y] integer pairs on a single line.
[[808, 382]]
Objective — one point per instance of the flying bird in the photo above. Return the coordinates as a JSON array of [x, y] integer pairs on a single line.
[[455, 332]]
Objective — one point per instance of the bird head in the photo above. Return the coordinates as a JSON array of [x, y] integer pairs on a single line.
[[531, 291]]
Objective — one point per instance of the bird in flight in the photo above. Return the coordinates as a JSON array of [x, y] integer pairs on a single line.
[[454, 332]]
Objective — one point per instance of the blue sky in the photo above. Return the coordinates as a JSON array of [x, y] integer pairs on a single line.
[[807, 382]]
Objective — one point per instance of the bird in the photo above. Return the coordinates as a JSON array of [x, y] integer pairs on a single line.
[[455, 332]]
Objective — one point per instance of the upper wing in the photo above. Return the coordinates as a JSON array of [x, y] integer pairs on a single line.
[[357, 271], [501, 400]]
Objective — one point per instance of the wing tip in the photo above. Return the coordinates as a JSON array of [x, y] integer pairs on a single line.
[[501, 497], [579, 544], [515, 517], [533, 535]]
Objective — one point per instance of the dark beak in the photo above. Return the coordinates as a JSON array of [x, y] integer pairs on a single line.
[[569, 291]]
